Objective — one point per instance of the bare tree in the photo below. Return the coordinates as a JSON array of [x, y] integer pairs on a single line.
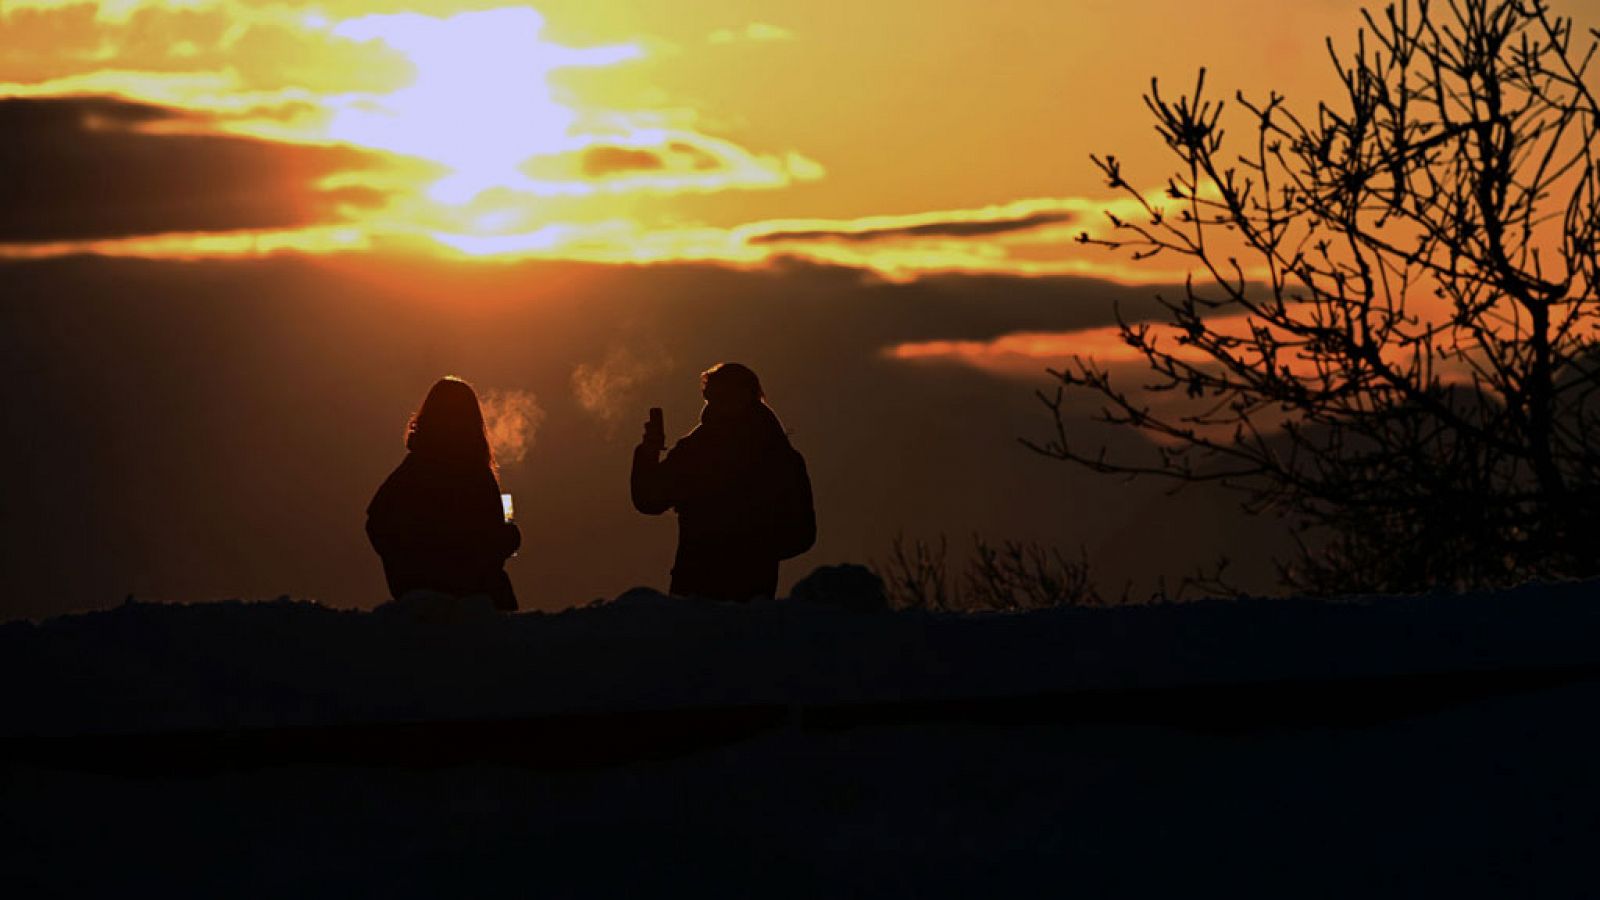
[[1389, 334]]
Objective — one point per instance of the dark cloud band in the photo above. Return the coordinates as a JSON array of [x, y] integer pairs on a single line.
[[605, 160], [83, 168], [947, 229]]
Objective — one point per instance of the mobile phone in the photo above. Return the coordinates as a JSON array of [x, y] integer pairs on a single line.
[[655, 433], [507, 508]]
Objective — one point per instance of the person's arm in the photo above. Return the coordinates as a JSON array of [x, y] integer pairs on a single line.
[[510, 539], [377, 535], [499, 537], [386, 531], [806, 530], [655, 482], [651, 481], [796, 532]]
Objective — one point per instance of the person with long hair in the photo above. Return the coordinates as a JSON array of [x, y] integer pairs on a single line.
[[437, 520], [739, 487]]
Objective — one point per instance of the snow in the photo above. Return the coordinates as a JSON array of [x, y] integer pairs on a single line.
[[887, 772], [148, 667]]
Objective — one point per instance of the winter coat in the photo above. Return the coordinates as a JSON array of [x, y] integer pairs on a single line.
[[743, 499], [438, 525]]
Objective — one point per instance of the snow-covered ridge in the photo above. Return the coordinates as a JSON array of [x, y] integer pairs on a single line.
[[141, 668]]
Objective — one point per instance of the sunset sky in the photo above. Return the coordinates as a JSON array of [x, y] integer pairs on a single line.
[[874, 203], [900, 136]]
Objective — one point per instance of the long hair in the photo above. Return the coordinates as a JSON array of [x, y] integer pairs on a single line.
[[449, 425]]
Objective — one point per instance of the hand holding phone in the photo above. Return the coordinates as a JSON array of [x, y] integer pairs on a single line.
[[655, 431]]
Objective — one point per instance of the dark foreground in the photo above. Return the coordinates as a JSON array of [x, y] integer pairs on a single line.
[[1469, 772]]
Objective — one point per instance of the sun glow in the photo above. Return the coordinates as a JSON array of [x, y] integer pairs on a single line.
[[481, 103], [477, 133]]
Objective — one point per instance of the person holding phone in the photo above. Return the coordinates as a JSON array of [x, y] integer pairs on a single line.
[[439, 521], [740, 489]]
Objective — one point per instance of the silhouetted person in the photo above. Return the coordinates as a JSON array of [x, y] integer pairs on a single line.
[[437, 521], [741, 491]]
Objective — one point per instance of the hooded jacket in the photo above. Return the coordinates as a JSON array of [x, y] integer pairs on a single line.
[[743, 499]]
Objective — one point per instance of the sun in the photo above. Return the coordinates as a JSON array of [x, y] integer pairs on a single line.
[[480, 104]]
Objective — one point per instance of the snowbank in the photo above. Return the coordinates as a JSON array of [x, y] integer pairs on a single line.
[[144, 668]]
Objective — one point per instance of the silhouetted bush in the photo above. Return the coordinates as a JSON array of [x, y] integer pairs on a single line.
[[846, 586], [1013, 575], [1019, 575], [915, 574]]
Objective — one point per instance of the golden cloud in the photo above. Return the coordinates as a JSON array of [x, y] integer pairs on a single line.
[[465, 95], [755, 32], [488, 158]]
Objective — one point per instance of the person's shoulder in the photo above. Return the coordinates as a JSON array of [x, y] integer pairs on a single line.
[[695, 437], [401, 470], [395, 483], [487, 479], [415, 467], [791, 460]]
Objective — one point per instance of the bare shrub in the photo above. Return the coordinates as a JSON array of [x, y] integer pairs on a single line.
[[1008, 576]]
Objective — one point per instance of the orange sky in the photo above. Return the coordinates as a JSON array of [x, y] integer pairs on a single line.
[[901, 136], [921, 141]]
